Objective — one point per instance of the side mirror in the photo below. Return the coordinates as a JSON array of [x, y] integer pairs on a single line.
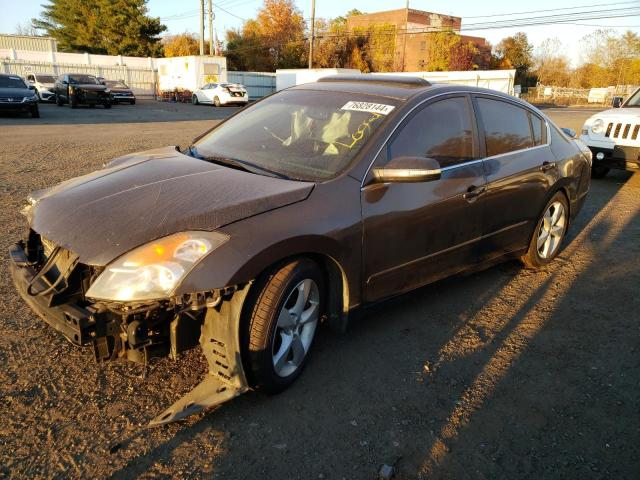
[[408, 169], [616, 102], [31, 87], [569, 132]]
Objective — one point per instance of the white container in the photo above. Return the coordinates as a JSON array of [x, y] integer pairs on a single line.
[[190, 73], [297, 76]]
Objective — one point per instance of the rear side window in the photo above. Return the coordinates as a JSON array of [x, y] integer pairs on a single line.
[[537, 127], [441, 131], [506, 126]]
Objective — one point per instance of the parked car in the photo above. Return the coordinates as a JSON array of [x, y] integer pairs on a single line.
[[43, 84], [17, 96], [614, 136], [81, 89], [297, 210], [221, 94], [120, 91]]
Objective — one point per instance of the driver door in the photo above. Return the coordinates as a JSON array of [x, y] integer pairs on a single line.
[[416, 233]]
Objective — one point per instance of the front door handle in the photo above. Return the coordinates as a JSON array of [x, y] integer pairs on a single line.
[[474, 192], [547, 166]]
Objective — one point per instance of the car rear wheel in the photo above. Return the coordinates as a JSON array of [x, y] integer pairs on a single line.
[[216, 101], [282, 323], [107, 105], [599, 171], [195, 100], [59, 101], [549, 233]]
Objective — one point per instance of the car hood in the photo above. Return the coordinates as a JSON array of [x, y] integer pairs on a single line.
[[89, 86], [145, 196], [15, 92], [121, 90], [621, 113]]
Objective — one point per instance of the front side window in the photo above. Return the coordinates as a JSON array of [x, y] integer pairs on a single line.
[[302, 134], [441, 131], [12, 82], [506, 126]]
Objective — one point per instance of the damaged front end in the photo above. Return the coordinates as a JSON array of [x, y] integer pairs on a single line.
[[54, 284]]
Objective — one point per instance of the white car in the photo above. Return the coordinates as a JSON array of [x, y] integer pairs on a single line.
[[43, 83], [221, 94], [613, 136]]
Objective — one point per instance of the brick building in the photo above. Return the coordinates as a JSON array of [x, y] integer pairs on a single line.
[[410, 56]]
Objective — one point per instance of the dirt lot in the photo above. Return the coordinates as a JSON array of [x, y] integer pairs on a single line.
[[506, 373]]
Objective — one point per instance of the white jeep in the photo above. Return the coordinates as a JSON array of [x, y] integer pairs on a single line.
[[614, 136]]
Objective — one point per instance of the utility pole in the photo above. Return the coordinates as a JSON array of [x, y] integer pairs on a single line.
[[313, 32], [201, 27], [404, 45], [210, 27]]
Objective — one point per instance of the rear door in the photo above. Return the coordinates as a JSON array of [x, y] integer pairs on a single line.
[[415, 233], [520, 169]]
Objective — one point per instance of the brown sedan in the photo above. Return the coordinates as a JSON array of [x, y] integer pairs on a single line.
[[295, 211]]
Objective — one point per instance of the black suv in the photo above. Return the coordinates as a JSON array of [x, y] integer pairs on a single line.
[[81, 89]]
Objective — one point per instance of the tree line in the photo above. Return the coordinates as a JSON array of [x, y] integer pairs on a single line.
[[278, 37]]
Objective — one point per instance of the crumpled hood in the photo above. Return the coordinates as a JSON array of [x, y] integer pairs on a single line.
[[141, 197]]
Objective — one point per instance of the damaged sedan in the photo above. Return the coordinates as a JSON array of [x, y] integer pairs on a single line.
[[290, 214]]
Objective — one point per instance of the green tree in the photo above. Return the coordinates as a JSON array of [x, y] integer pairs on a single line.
[[516, 52], [113, 27]]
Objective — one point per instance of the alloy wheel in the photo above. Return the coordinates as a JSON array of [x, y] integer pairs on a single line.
[[551, 230], [296, 327]]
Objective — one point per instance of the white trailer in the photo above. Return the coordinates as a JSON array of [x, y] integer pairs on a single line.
[[190, 73], [286, 78], [501, 80]]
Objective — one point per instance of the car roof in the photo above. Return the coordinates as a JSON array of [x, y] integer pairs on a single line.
[[398, 87]]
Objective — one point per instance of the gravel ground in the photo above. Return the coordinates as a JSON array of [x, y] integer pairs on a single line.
[[505, 373]]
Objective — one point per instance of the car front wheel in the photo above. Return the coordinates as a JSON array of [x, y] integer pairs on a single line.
[[549, 233], [216, 101], [195, 100], [59, 100], [282, 323]]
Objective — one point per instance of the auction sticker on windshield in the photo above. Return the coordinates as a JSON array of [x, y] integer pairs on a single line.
[[368, 107]]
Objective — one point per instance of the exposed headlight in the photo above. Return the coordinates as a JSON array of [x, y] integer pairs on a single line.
[[154, 270], [597, 125]]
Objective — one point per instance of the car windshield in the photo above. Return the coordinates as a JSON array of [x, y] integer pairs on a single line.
[[114, 84], [634, 100], [46, 78], [83, 79], [301, 134], [12, 82]]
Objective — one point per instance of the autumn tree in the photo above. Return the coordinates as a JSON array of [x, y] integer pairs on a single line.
[[181, 45], [102, 26], [274, 39], [516, 52], [551, 65]]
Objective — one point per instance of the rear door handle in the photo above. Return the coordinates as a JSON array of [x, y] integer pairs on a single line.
[[547, 166], [474, 192]]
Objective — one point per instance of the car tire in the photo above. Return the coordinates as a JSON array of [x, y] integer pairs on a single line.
[[35, 112], [194, 100], [280, 325], [549, 233], [59, 101], [599, 171], [216, 101], [92, 105], [132, 102], [74, 103], [107, 105]]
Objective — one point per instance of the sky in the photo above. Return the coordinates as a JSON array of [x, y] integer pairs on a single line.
[[182, 16]]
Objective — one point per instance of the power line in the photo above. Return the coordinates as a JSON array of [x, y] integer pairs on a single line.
[[551, 9]]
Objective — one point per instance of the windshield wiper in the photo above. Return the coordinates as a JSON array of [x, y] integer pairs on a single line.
[[243, 165]]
